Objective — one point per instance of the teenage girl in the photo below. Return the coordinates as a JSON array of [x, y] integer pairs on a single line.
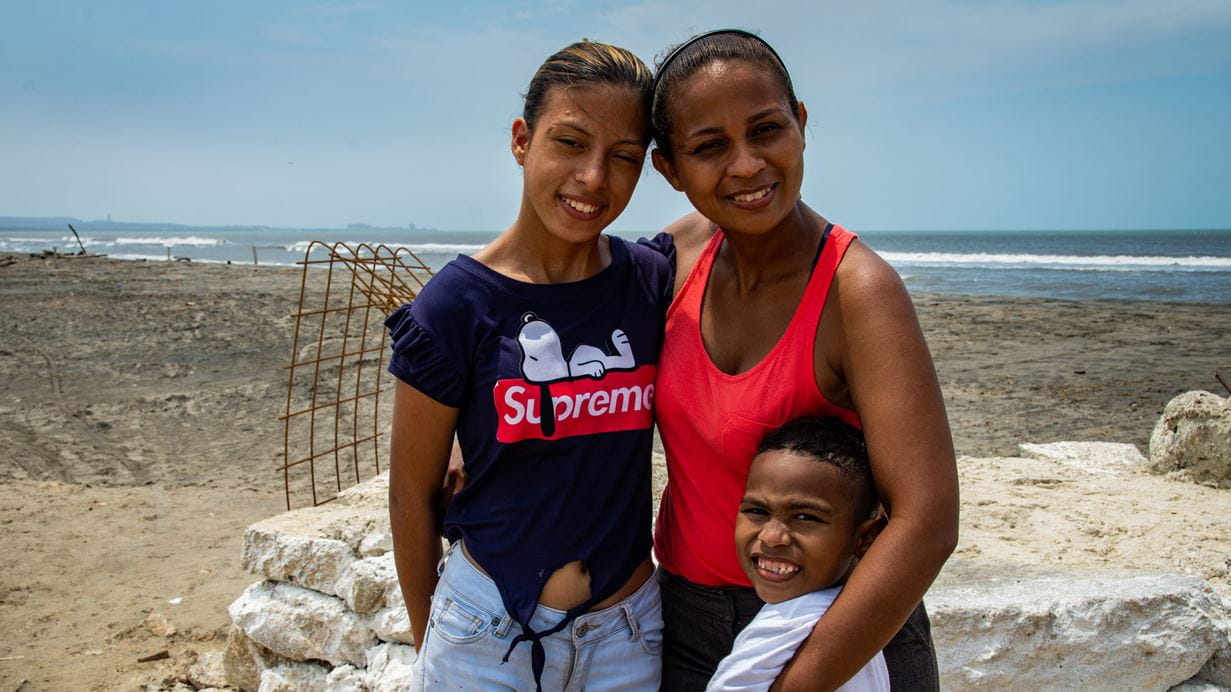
[[538, 353], [779, 313]]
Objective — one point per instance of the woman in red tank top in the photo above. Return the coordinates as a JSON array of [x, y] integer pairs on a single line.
[[779, 313]]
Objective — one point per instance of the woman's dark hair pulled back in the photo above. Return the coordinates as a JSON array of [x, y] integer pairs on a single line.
[[687, 58], [585, 63]]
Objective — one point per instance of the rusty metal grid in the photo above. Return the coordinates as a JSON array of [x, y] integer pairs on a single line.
[[333, 423]]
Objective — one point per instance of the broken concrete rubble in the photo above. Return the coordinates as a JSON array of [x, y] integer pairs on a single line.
[[1192, 440], [1074, 629], [330, 614]]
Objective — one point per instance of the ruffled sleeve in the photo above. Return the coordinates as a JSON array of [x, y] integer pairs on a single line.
[[418, 360], [663, 244]]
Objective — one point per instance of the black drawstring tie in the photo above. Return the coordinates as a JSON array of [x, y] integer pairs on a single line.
[[538, 655]]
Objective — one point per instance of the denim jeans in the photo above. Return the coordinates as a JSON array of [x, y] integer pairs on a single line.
[[703, 621], [469, 631]]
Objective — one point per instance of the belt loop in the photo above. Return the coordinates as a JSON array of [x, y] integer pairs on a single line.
[[633, 627], [505, 623], [440, 566]]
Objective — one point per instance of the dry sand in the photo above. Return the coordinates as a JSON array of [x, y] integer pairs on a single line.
[[139, 436]]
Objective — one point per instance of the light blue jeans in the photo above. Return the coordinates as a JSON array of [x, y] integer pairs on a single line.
[[469, 631]]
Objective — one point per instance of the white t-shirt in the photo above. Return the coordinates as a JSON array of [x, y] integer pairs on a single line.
[[770, 640]]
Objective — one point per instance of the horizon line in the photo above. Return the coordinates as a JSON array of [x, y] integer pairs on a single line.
[[359, 226]]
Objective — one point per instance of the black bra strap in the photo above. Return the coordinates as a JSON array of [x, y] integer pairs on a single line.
[[820, 246]]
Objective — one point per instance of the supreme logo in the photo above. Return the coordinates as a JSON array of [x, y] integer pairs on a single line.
[[619, 401]]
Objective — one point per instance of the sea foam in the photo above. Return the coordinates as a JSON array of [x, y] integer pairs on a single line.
[[435, 248], [1087, 262]]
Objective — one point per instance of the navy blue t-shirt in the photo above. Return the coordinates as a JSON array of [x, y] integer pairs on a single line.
[[544, 490]]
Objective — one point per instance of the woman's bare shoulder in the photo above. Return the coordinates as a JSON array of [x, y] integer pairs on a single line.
[[865, 277]]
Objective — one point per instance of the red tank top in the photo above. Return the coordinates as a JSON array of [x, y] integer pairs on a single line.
[[712, 422]]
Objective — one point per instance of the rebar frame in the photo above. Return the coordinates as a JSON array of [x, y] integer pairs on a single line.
[[359, 280]]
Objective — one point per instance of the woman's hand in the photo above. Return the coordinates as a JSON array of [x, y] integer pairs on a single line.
[[420, 444], [869, 337]]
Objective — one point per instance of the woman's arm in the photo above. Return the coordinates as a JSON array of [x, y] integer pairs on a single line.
[[879, 350], [420, 443]]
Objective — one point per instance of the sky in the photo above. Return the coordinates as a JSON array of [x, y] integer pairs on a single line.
[[944, 114]]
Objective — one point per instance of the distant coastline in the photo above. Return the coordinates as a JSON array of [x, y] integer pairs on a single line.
[[59, 223]]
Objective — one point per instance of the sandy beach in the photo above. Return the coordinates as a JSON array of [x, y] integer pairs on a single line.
[[139, 436]]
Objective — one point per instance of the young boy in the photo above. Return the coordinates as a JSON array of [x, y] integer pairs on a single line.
[[809, 512]]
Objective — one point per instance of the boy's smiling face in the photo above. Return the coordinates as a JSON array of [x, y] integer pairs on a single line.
[[799, 527]]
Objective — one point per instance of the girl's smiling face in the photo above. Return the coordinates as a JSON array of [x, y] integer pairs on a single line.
[[736, 146], [582, 159]]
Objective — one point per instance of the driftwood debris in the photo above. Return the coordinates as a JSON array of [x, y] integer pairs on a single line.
[[79, 243], [56, 254], [155, 657]]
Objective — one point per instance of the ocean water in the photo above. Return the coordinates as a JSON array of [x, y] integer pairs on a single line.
[[1186, 266]]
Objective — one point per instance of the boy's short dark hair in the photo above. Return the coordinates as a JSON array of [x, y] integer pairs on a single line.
[[830, 440]]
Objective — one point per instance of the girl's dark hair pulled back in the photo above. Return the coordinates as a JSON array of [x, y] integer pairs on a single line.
[[584, 63], [687, 58]]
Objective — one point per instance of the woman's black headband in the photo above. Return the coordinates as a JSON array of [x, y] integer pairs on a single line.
[[662, 69]]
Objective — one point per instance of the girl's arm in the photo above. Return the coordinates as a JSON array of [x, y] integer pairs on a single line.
[[882, 356], [420, 443]]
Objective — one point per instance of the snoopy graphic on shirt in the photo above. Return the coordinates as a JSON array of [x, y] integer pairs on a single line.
[[591, 391]]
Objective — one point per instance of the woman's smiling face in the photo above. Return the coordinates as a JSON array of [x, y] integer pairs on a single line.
[[737, 147], [582, 159]]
